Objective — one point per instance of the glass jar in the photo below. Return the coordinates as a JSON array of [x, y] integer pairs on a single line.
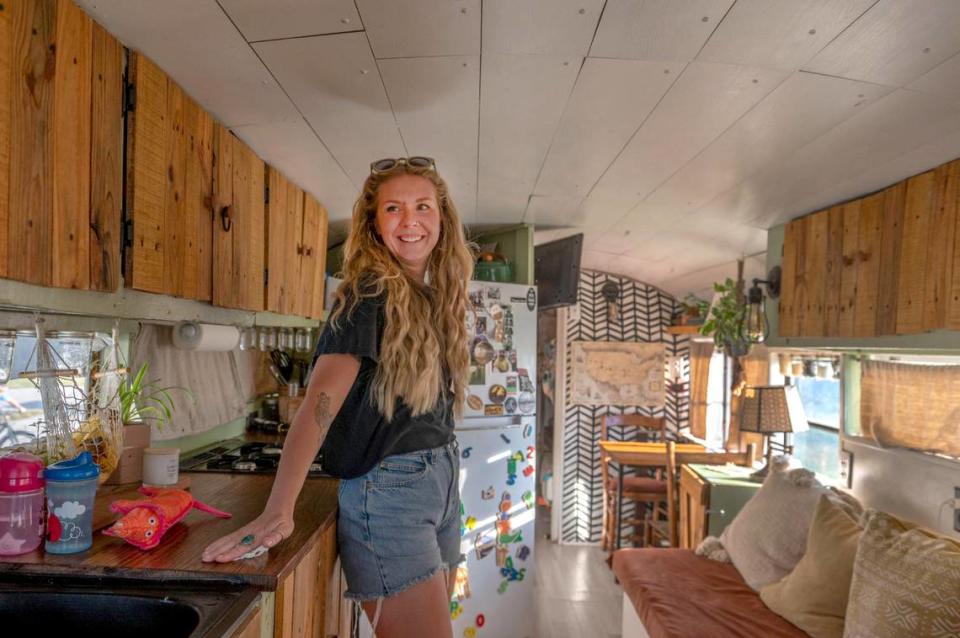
[[8, 344]]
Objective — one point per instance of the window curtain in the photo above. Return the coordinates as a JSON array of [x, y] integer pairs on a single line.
[[700, 354], [221, 383], [755, 371], [911, 406]]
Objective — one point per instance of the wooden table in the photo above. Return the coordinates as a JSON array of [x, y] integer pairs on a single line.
[[645, 454]]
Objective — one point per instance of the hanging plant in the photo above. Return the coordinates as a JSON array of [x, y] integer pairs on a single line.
[[725, 320]]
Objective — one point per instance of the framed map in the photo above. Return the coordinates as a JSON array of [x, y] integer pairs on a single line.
[[617, 373]]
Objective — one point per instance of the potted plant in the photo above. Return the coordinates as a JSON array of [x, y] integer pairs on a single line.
[[143, 401], [725, 319], [695, 310]]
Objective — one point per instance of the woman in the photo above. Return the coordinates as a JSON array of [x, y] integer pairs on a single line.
[[389, 376]]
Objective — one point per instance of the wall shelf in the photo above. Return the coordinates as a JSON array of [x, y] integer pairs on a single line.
[[683, 330]]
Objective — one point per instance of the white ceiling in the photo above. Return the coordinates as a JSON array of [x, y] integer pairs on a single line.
[[671, 133]]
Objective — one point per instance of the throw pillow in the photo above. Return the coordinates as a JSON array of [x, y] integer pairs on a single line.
[[814, 595], [906, 582], [768, 537]]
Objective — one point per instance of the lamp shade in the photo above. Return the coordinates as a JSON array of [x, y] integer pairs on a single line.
[[772, 408]]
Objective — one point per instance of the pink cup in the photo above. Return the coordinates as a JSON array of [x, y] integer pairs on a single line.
[[21, 503]]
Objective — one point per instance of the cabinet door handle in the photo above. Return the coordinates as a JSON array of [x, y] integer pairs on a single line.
[[721, 512], [309, 251], [225, 220], [299, 249]]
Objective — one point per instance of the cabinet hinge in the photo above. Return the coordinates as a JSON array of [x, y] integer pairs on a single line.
[[266, 194], [130, 98], [128, 233], [266, 277]]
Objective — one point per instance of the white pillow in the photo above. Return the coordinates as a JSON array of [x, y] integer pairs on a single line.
[[769, 536]]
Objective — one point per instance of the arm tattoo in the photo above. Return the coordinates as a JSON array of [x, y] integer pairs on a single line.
[[322, 414]]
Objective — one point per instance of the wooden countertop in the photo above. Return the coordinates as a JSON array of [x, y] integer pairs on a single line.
[[178, 555]]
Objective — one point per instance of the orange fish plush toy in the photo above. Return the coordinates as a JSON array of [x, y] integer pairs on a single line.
[[145, 521]]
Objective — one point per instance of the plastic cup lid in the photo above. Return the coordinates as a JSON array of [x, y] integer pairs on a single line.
[[79, 468], [20, 472]]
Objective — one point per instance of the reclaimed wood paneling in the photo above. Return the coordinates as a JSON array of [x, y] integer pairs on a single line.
[[147, 174], [319, 265], [71, 147], [868, 269], [800, 297], [174, 206], [276, 225], [293, 257], [308, 265], [30, 217], [890, 246], [815, 274], [6, 69], [914, 247], [198, 196], [788, 275], [305, 600], [850, 256], [224, 292], [941, 261], [834, 272], [106, 160]]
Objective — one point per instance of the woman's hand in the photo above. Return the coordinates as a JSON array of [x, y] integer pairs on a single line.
[[266, 530]]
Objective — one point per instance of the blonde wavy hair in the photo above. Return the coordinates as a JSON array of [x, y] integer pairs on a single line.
[[425, 347]]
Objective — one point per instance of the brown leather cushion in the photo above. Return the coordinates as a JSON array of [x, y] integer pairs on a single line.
[[644, 484], [678, 594]]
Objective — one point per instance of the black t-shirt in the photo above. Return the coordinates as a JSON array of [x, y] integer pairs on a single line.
[[360, 436]]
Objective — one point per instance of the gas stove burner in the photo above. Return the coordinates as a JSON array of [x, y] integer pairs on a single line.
[[247, 457]]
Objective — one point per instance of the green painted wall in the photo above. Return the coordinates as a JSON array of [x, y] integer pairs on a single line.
[[516, 244]]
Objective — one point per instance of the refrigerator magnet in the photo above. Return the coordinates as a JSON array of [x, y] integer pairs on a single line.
[[526, 403], [527, 499], [512, 384], [488, 493], [466, 454], [475, 402], [493, 293], [527, 471], [493, 410], [510, 405], [478, 376], [469, 632], [527, 431], [523, 552], [480, 620], [506, 439], [497, 394]]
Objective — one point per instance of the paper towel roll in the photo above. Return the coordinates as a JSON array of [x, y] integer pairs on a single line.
[[205, 337]]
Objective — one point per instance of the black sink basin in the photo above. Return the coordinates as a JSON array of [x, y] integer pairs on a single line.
[[120, 607]]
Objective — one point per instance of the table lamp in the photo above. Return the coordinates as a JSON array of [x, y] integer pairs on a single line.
[[767, 409]]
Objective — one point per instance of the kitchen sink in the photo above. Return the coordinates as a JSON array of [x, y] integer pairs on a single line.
[[101, 607]]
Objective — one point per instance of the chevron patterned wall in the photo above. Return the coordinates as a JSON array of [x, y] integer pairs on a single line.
[[644, 314]]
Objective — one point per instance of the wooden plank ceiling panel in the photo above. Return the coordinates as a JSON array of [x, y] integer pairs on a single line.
[[609, 103], [30, 221], [943, 79], [893, 43], [795, 113], [656, 29], [6, 69], [782, 34], [436, 102], [521, 102], [106, 160], [419, 28], [259, 20], [521, 27], [846, 161], [198, 46], [335, 83], [294, 149], [680, 126], [146, 174], [941, 233]]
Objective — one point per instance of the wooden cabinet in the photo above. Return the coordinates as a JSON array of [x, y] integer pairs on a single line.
[[60, 137], [307, 603], [710, 497], [296, 229], [239, 249], [886, 264], [169, 186]]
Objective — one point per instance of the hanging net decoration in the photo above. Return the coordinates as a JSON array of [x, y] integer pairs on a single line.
[[80, 410]]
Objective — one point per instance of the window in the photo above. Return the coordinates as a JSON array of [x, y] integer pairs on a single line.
[[818, 383], [717, 401]]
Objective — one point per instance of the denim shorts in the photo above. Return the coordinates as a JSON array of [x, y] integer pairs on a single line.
[[399, 524]]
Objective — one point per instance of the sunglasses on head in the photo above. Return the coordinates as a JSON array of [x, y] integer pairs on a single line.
[[388, 164]]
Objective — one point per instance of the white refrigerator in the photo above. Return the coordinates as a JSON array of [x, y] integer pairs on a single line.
[[494, 597]]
